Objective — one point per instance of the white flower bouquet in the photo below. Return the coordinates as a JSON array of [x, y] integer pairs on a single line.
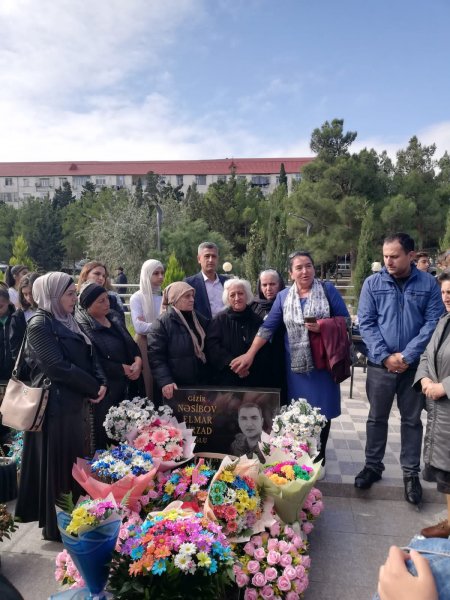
[[122, 422]]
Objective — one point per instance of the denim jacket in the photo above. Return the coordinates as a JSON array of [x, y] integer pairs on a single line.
[[392, 319]]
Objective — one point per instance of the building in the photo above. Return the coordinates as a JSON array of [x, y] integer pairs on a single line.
[[19, 181]]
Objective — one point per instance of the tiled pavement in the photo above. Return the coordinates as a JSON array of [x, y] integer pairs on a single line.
[[350, 540]]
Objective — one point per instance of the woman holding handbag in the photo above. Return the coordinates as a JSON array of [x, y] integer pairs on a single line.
[[56, 349]]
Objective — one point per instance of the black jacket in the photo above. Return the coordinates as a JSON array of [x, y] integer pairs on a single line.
[[55, 352], [17, 331], [201, 301], [231, 334], [6, 359], [171, 352]]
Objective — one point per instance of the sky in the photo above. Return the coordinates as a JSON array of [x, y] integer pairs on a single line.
[[199, 79]]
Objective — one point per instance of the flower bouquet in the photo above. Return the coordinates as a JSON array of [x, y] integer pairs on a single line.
[[311, 509], [273, 565], [66, 572], [121, 470], [89, 534], [297, 428], [189, 484], [173, 554], [172, 442], [234, 499], [288, 482], [123, 421]]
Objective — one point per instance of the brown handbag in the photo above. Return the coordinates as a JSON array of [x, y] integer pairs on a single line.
[[22, 406]]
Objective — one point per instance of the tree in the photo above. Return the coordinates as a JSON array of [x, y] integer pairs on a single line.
[[8, 219], [282, 180], [253, 259], [445, 242], [174, 272], [365, 252], [20, 253], [87, 188], [139, 192], [329, 141], [45, 239], [63, 196]]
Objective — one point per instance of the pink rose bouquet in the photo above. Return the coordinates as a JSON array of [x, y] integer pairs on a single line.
[[311, 509], [272, 565]]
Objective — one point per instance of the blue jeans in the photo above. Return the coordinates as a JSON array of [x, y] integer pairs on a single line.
[[381, 387], [439, 560]]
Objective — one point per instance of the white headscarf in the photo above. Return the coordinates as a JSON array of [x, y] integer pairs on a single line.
[[145, 287], [47, 293]]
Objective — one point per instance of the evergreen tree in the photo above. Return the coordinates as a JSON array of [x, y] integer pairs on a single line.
[[63, 196], [329, 141], [139, 192], [88, 188], [20, 254], [282, 180], [254, 257], [45, 239], [174, 272], [445, 242], [365, 252]]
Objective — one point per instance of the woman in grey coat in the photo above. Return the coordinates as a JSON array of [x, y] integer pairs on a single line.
[[433, 377]]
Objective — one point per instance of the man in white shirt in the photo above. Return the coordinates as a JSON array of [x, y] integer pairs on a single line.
[[208, 284]]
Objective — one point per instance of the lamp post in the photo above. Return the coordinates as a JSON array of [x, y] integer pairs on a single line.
[[308, 223], [227, 267]]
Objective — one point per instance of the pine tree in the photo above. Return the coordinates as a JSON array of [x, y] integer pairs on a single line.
[[445, 242], [20, 253], [282, 180], [63, 196], [139, 192], [253, 258], [174, 272], [364, 258]]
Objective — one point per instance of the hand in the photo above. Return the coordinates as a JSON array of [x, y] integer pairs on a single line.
[[314, 327], [395, 364], [101, 394], [425, 382], [435, 391], [396, 583], [135, 369], [241, 364], [167, 390], [243, 374]]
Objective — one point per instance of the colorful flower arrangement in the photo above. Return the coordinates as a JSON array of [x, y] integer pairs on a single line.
[[130, 416], [175, 550], [273, 565], [15, 447], [90, 513], [187, 483], [114, 464], [235, 501], [284, 472], [297, 427]]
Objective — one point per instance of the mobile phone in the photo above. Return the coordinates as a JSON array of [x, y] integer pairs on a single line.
[[310, 320]]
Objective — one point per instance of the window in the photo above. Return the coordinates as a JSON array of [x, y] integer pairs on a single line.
[[297, 177], [260, 180], [200, 179], [8, 181], [241, 178], [44, 182], [179, 180], [222, 178], [120, 180], [100, 181], [6, 197], [80, 180], [26, 196], [62, 181], [26, 183]]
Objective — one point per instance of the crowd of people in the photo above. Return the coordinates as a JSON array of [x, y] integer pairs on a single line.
[[212, 330]]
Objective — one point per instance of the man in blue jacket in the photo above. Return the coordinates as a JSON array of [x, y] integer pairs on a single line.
[[398, 310], [208, 284]]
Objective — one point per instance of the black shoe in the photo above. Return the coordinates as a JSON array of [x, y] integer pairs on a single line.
[[413, 489], [365, 478]]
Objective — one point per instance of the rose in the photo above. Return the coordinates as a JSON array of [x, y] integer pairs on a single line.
[[275, 529], [301, 584], [267, 592], [297, 541], [272, 544], [257, 540], [242, 579], [306, 562], [253, 566], [283, 546], [300, 571], [285, 560], [270, 573], [273, 557], [315, 510], [250, 594], [258, 580], [284, 583], [260, 554], [249, 548], [307, 528], [290, 573], [292, 596]]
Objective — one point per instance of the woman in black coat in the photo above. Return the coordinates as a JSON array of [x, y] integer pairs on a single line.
[[58, 351], [231, 333], [27, 308], [176, 341], [117, 351]]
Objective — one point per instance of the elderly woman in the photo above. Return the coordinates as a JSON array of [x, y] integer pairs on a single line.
[[145, 306], [231, 333], [176, 341], [56, 349], [433, 377], [306, 307], [98, 273], [27, 308], [118, 353], [13, 275]]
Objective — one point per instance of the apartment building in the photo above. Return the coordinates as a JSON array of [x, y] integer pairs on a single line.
[[22, 180]]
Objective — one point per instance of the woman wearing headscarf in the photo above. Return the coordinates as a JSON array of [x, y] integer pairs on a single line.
[[27, 308], [56, 349], [145, 306], [13, 275], [117, 351], [176, 341]]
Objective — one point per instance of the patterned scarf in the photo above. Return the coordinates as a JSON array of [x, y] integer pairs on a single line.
[[316, 305]]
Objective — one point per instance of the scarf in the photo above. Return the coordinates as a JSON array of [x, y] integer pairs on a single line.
[[47, 292], [316, 305], [198, 346], [146, 290]]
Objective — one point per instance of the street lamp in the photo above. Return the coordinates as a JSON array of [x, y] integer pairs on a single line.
[[308, 223], [227, 267]]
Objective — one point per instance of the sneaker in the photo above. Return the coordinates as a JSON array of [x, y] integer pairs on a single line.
[[441, 530], [365, 478], [413, 489]]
